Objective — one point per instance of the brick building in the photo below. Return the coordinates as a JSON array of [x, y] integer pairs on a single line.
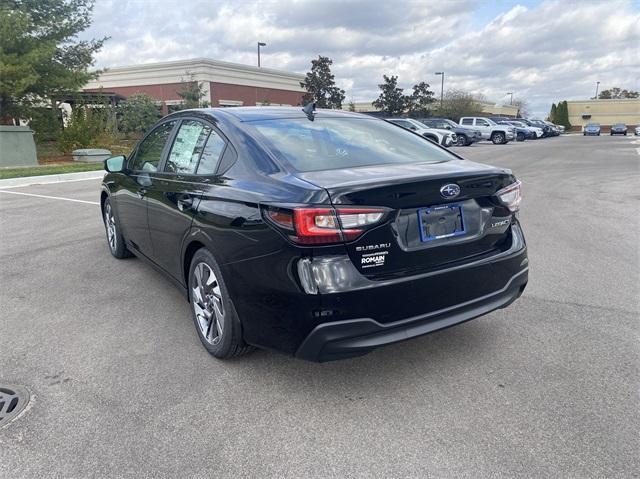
[[224, 83]]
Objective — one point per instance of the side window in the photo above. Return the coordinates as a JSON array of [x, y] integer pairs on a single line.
[[150, 150], [482, 122], [467, 121], [211, 154], [187, 147]]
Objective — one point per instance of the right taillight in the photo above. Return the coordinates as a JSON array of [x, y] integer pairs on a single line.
[[511, 196], [325, 225]]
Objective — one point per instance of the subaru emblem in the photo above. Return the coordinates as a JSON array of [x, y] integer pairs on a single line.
[[450, 190]]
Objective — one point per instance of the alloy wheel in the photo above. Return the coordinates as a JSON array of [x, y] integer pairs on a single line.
[[462, 141], [206, 297], [110, 223]]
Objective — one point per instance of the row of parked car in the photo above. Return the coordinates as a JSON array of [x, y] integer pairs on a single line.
[[591, 129], [470, 129]]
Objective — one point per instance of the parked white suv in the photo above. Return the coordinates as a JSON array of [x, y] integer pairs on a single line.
[[498, 134], [442, 137]]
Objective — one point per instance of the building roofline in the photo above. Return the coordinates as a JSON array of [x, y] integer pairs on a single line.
[[198, 62], [602, 100]]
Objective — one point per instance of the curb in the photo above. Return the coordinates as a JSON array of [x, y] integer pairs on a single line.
[[49, 179]]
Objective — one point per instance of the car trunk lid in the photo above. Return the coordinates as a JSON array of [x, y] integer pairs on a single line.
[[425, 229]]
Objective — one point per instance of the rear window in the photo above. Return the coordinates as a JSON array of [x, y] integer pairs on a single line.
[[332, 143]]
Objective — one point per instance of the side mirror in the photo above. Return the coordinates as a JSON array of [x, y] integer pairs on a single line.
[[115, 164], [413, 128]]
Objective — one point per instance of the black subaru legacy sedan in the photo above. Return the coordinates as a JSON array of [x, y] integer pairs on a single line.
[[321, 234]]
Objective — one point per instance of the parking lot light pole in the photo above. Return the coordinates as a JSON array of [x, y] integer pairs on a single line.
[[597, 85], [441, 89], [511, 100], [260, 44]]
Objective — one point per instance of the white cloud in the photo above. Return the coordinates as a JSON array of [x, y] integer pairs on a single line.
[[556, 50]]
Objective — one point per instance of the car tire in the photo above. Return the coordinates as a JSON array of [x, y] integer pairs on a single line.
[[214, 315], [462, 140], [520, 137], [498, 138], [115, 240]]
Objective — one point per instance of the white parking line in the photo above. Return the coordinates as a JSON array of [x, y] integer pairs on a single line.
[[50, 197]]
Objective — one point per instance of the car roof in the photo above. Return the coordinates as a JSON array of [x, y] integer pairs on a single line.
[[257, 113]]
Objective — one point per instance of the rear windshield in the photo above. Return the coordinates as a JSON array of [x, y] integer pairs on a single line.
[[593, 124], [332, 143]]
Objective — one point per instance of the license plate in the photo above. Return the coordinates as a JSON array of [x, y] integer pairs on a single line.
[[439, 222]]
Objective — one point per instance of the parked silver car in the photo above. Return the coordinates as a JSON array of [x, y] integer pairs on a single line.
[[591, 129]]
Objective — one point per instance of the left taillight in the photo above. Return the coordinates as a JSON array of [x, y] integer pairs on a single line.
[[511, 196], [322, 225]]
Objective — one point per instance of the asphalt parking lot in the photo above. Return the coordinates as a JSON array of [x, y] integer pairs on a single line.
[[121, 386]]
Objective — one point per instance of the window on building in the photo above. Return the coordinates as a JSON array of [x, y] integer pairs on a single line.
[[230, 103]]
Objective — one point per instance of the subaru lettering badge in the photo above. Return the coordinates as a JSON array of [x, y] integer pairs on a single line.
[[450, 191]]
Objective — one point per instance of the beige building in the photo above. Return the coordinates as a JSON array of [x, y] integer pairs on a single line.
[[605, 112]]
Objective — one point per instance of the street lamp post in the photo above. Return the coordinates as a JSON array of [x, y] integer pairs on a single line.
[[441, 89], [511, 100], [260, 44], [597, 85]]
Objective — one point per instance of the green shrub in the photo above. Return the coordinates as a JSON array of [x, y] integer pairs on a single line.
[[138, 114], [83, 128], [46, 123]]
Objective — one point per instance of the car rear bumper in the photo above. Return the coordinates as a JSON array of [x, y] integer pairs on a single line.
[[437, 301], [349, 338]]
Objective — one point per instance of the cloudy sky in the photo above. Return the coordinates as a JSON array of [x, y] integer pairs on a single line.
[[543, 51]]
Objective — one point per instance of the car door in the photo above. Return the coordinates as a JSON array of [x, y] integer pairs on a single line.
[[176, 190], [484, 126], [131, 201]]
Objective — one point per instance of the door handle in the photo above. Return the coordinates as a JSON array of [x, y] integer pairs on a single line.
[[142, 192], [185, 202]]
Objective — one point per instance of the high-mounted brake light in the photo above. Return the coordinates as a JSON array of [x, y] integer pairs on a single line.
[[311, 225], [511, 196]]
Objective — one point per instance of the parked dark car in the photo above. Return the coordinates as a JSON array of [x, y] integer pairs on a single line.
[[618, 129], [322, 235], [591, 129], [546, 129], [555, 131], [466, 136], [522, 134]]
